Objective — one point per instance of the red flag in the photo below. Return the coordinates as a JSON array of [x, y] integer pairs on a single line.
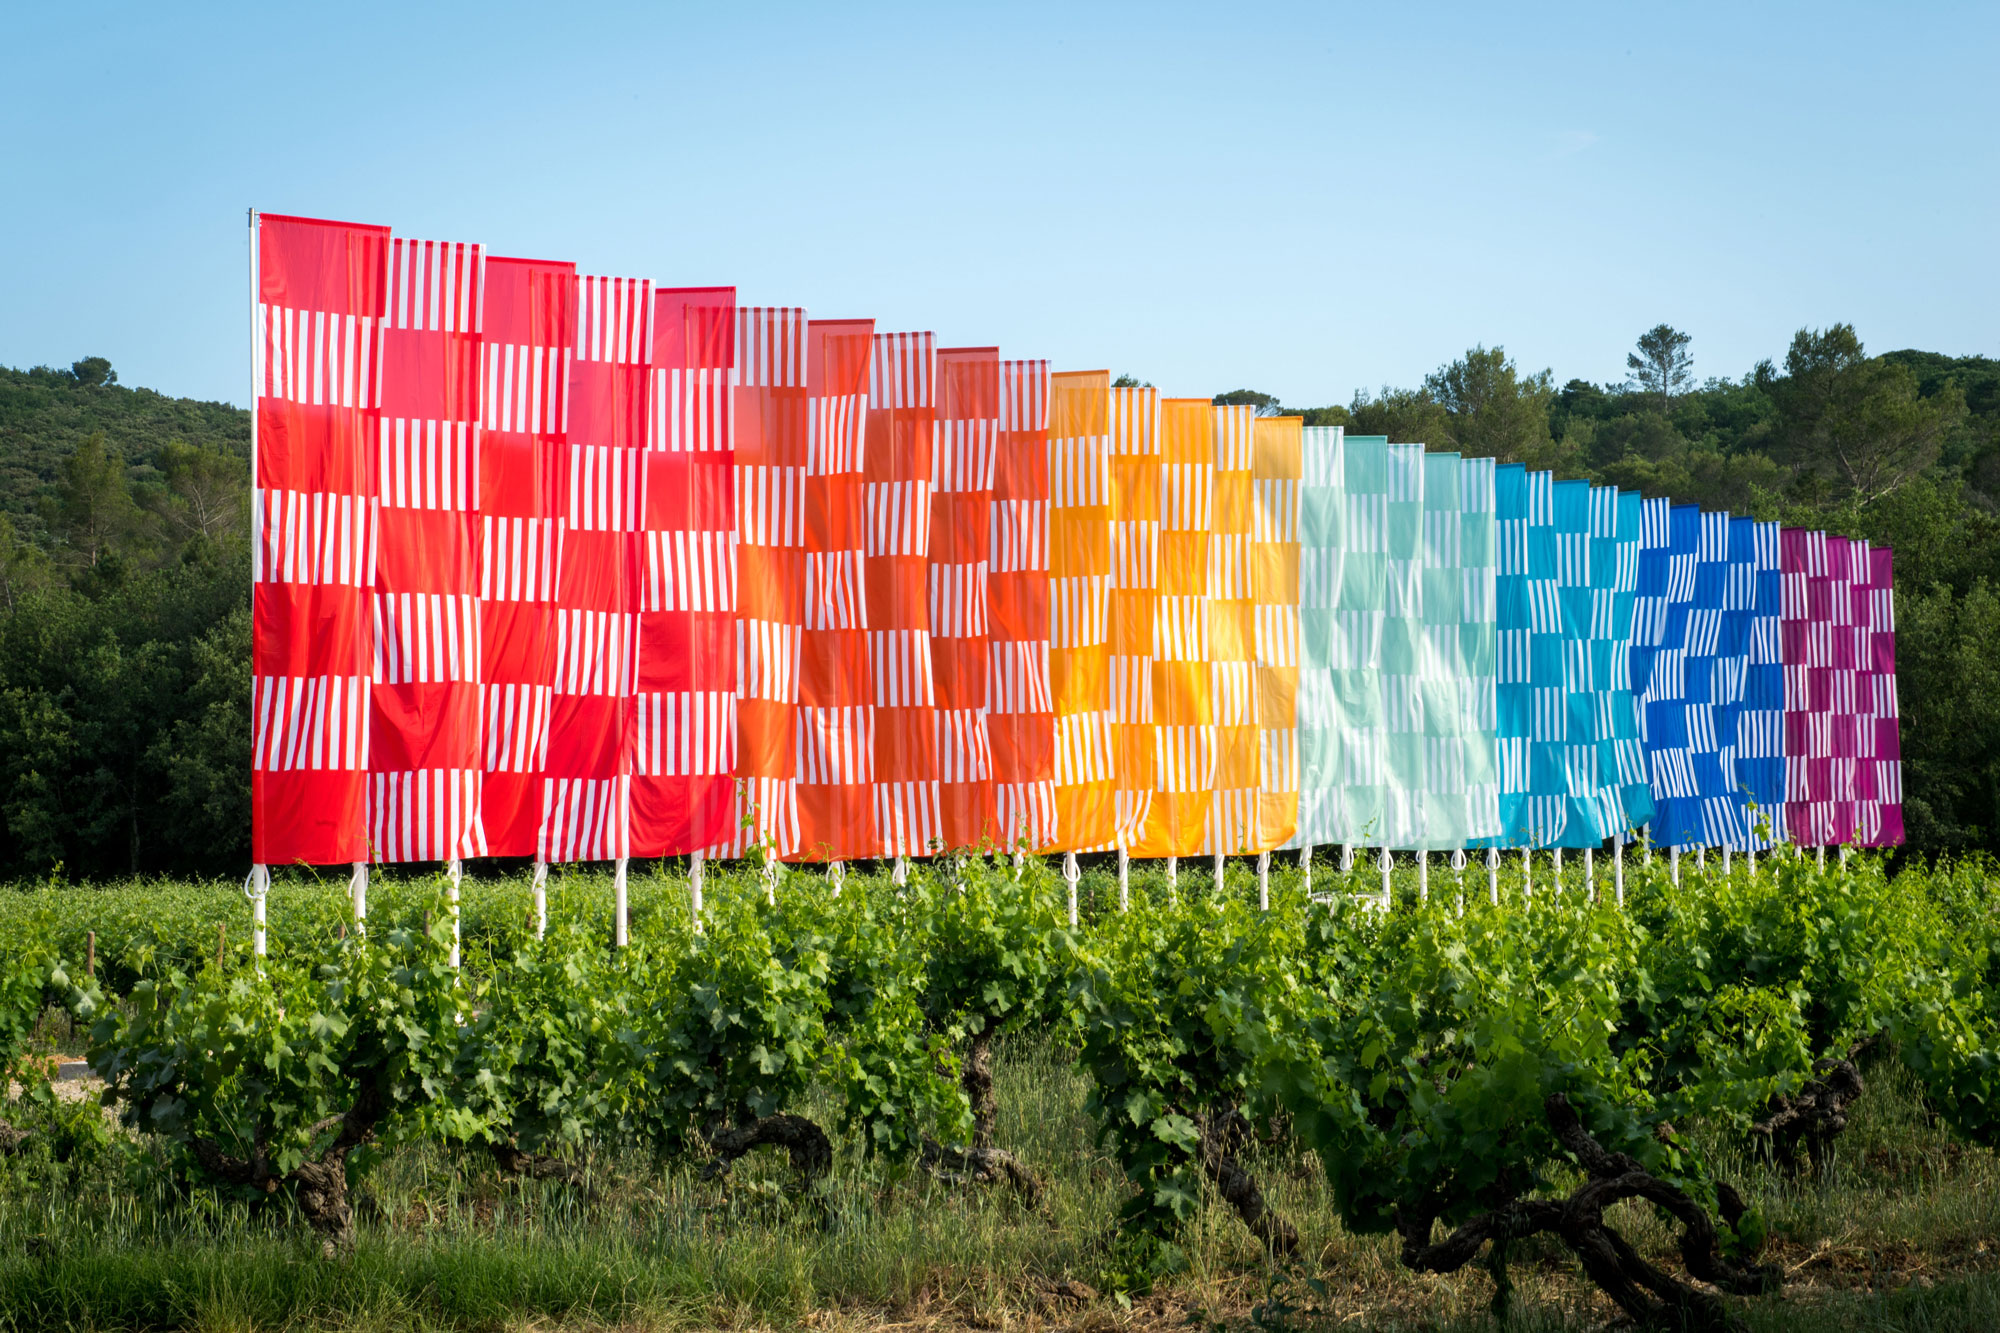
[[683, 772], [320, 303], [586, 795], [529, 334], [968, 432], [423, 778], [1020, 712]]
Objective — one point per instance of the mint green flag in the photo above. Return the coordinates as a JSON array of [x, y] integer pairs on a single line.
[[1439, 777], [1343, 524]]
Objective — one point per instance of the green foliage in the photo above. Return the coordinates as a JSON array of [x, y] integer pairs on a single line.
[[1169, 1001], [999, 942], [351, 1042], [1423, 1092], [723, 1028]]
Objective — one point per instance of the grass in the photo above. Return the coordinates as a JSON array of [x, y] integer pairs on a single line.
[[1901, 1235]]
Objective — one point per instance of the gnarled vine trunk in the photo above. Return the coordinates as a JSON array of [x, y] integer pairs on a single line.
[[1816, 1115], [977, 1080], [806, 1143], [534, 1165], [1645, 1292], [1222, 1136]]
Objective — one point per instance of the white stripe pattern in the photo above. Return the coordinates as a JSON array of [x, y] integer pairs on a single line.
[[313, 723]]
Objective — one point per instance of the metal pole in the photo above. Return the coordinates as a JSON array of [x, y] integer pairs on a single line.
[[618, 904], [899, 874], [1725, 860], [1386, 862], [357, 894], [1216, 873], [1070, 876], [1124, 880], [1558, 875], [1589, 874], [1306, 867], [836, 874], [1618, 870], [696, 867], [1527, 873], [770, 876], [1346, 858], [1750, 858], [453, 874], [1674, 859], [1423, 875], [1701, 857], [1173, 876], [1263, 881], [259, 882], [541, 899], [1458, 869], [256, 888], [1493, 874], [1819, 855]]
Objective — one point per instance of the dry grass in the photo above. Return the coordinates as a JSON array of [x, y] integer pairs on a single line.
[[1901, 1236]]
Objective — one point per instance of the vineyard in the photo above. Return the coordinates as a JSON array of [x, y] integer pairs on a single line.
[[958, 1094]]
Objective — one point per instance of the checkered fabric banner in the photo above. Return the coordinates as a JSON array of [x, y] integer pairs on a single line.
[[424, 722], [1691, 653], [769, 438], [1843, 771], [1617, 518], [1232, 825], [836, 734], [1277, 471], [1184, 733], [1760, 719], [1437, 655], [1343, 557], [966, 439], [684, 764], [587, 791], [1020, 712], [1581, 648], [1321, 738], [1135, 595], [322, 297], [1080, 608], [901, 447], [1879, 779], [529, 337]]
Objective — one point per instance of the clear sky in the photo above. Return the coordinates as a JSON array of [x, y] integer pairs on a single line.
[[1296, 198]]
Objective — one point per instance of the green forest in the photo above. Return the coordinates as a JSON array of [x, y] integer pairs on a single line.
[[125, 567]]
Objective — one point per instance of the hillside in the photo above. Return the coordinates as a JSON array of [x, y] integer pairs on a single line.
[[45, 414]]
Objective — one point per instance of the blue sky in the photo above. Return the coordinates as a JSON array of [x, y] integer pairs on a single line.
[[1304, 199]]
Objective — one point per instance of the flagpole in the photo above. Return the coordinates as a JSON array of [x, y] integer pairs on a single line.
[[259, 883]]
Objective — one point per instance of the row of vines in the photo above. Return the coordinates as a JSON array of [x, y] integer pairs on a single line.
[[1467, 1073]]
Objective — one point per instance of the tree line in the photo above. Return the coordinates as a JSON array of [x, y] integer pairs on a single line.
[[125, 565]]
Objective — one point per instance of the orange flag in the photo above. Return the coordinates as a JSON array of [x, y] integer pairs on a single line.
[[1080, 595], [1135, 565], [1020, 715], [1277, 469]]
